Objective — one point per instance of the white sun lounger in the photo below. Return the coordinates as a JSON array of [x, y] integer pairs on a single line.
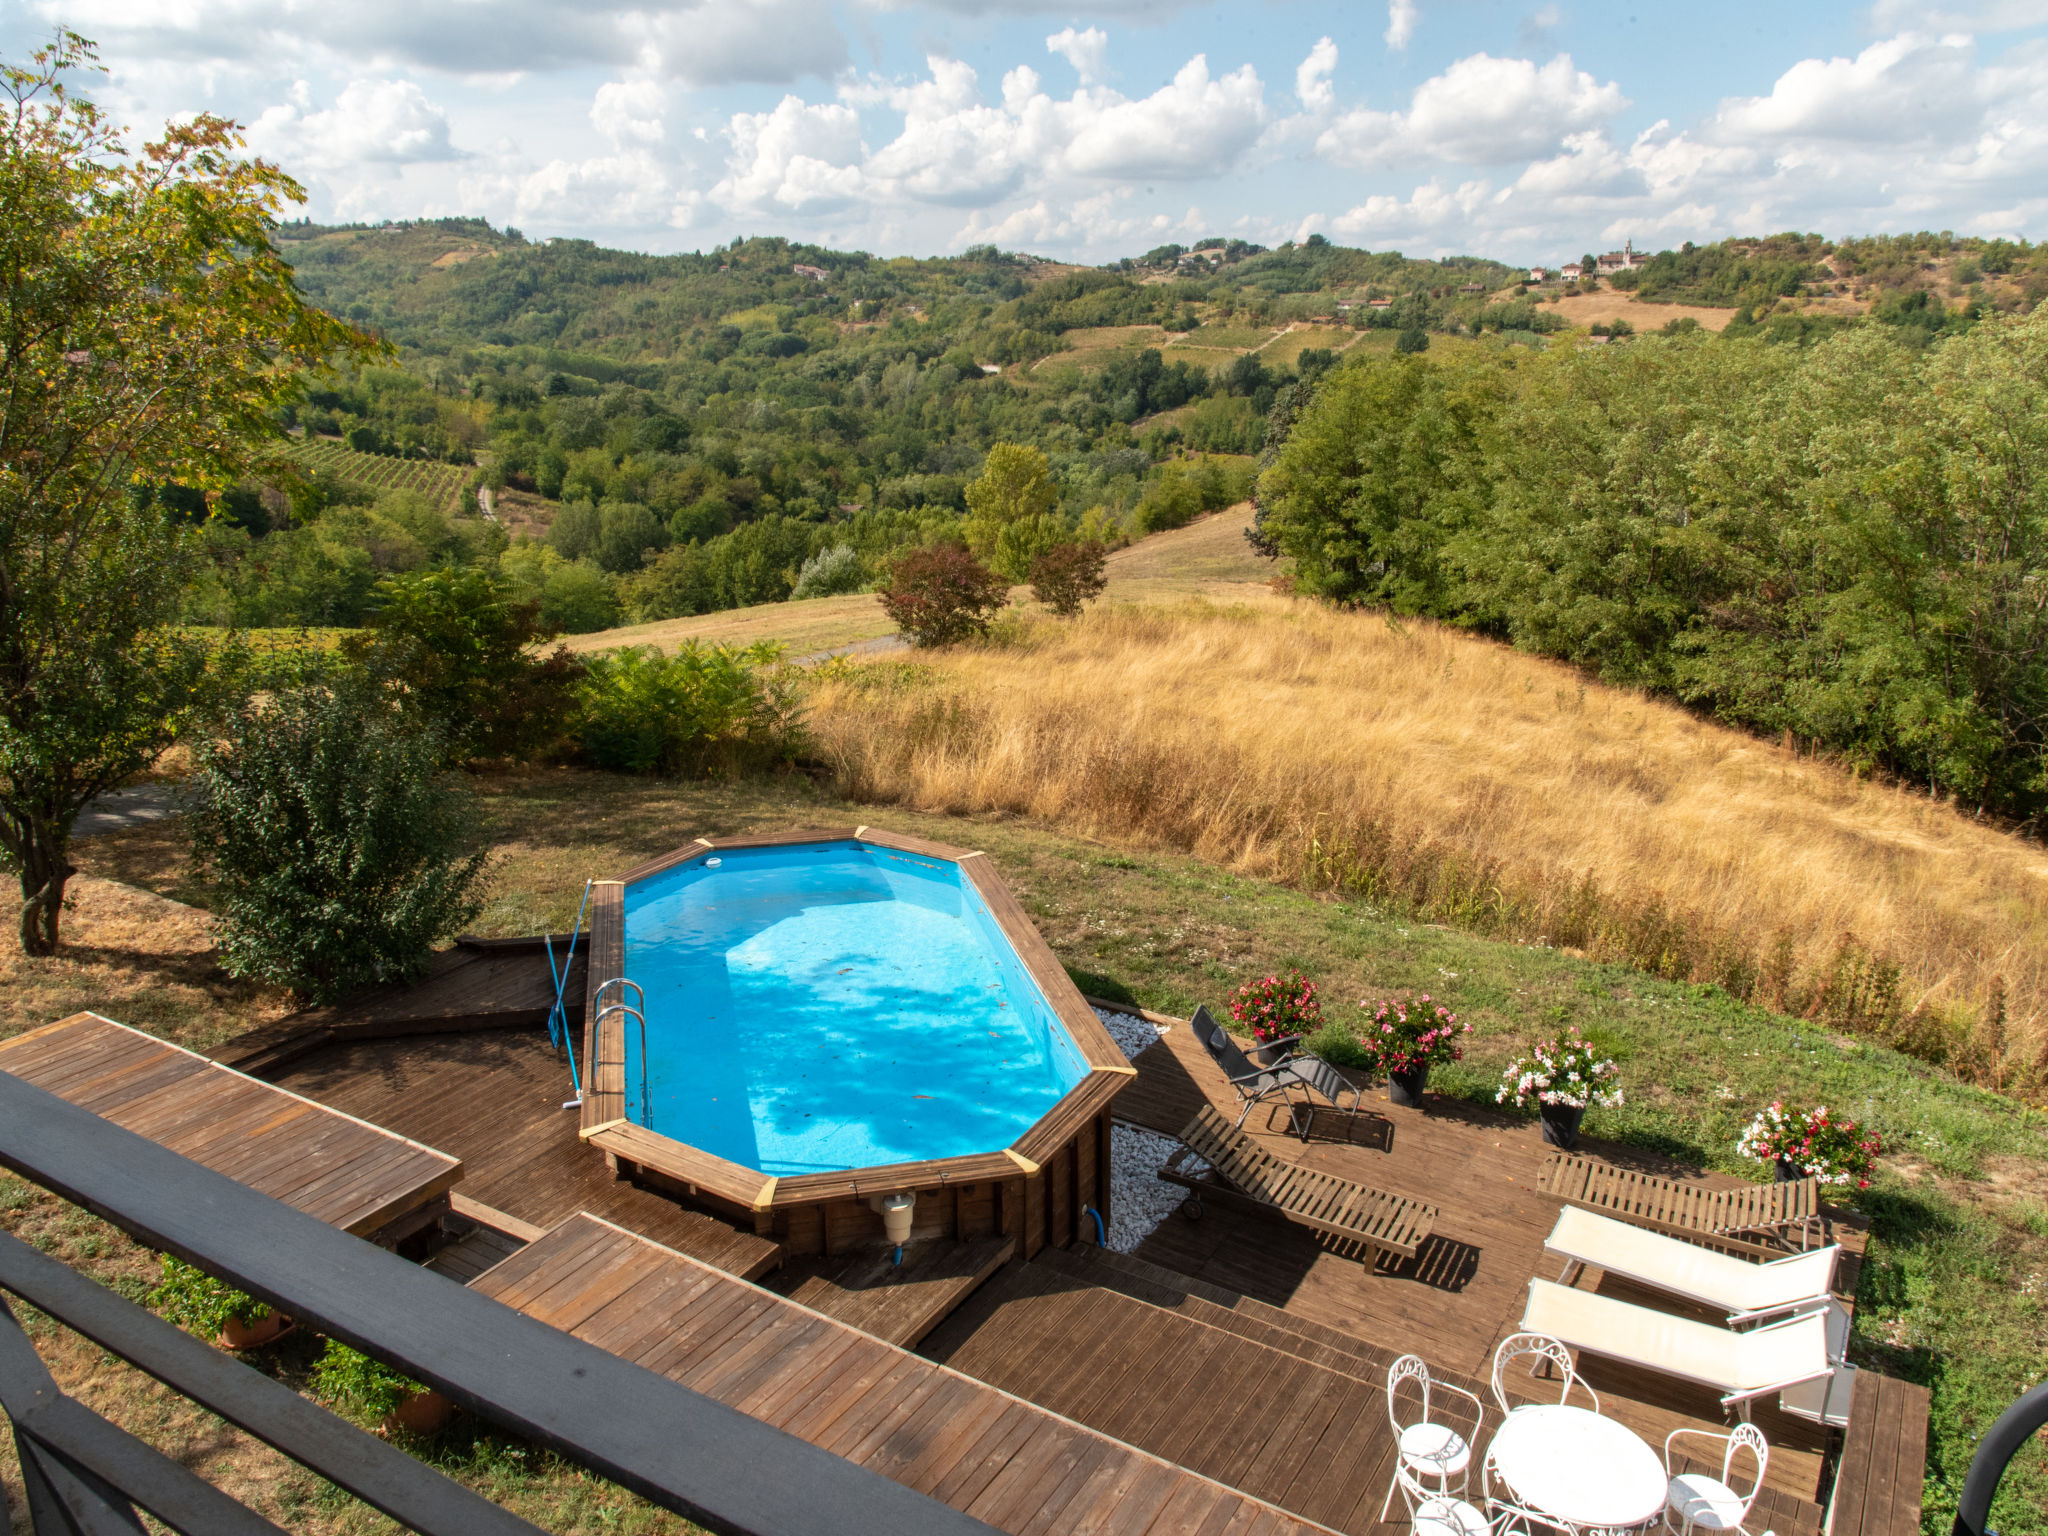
[[1743, 1290], [1739, 1366]]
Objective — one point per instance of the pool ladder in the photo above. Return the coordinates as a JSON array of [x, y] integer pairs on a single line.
[[639, 1016]]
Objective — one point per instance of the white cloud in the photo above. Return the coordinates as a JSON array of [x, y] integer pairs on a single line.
[[702, 42], [1480, 111], [1401, 18], [1986, 16], [628, 111], [796, 158], [1195, 126], [629, 190], [1897, 90], [1087, 51], [373, 123], [1312, 77], [1432, 208], [954, 148]]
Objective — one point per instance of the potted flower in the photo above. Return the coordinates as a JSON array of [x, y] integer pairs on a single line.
[[1811, 1144], [1565, 1077], [1405, 1039], [215, 1310], [1278, 1010]]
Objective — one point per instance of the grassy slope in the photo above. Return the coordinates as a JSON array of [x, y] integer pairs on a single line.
[[1952, 1295], [1208, 558]]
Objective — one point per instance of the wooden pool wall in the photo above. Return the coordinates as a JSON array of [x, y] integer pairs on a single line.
[[1038, 1189]]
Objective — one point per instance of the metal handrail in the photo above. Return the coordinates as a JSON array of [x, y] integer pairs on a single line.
[[675, 1447], [2015, 1427], [640, 1016]]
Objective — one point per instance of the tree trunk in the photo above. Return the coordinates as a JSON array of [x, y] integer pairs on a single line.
[[44, 869]]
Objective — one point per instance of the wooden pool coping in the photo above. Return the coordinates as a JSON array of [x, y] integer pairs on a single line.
[[606, 1125]]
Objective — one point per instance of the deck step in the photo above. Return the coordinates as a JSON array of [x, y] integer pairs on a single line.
[[1001, 1460], [479, 1249], [1245, 1316], [896, 1303], [1296, 1420]]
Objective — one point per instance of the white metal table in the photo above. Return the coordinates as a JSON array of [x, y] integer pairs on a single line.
[[1589, 1472]]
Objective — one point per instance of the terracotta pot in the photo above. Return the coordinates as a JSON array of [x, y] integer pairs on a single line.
[[1561, 1125], [1405, 1088], [267, 1329], [420, 1413]]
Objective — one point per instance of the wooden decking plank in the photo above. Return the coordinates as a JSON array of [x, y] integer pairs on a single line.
[[1005, 1440], [794, 1382], [1139, 1489], [313, 1157]]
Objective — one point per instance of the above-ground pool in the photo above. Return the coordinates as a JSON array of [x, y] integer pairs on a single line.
[[849, 1035], [821, 1007]]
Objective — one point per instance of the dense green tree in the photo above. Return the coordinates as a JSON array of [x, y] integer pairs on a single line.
[[1015, 485], [149, 335]]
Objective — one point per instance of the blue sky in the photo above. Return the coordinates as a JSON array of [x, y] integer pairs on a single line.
[[1527, 131]]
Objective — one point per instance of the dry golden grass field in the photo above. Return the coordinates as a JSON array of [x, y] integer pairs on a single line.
[[1449, 775], [1585, 308], [1209, 558]]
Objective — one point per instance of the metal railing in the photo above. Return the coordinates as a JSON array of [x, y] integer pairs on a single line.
[[672, 1446], [2027, 1417], [638, 1014]]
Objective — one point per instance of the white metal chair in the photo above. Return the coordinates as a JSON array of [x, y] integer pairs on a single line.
[[1426, 1449], [1538, 1349], [1699, 1502], [1448, 1517]]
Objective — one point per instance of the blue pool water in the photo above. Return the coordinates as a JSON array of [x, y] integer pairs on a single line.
[[835, 1005]]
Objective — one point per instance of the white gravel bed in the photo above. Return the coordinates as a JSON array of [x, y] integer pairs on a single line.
[[1138, 1198], [1130, 1032]]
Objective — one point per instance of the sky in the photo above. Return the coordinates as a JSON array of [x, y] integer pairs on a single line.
[[1530, 132]]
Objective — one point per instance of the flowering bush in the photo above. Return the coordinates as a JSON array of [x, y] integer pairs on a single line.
[[1277, 1006], [1408, 1036], [1817, 1142], [1562, 1070]]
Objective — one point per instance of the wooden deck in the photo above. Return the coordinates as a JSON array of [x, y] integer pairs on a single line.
[[1884, 1454], [1466, 1287], [312, 1157], [478, 984], [981, 1450], [1296, 1417], [494, 1098], [897, 1303]]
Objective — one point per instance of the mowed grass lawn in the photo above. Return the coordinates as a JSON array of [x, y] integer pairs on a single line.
[[1952, 1294]]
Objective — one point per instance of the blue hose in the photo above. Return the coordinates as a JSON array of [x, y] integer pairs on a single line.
[[1101, 1237]]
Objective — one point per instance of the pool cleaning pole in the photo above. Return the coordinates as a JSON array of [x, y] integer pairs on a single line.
[[561, 1012]]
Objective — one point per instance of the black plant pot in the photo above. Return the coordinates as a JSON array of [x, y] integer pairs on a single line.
[[1789, 1172], [1561, 1125], [1405, 1088]]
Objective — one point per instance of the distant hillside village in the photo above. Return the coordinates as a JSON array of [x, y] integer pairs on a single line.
[[1627, 259]]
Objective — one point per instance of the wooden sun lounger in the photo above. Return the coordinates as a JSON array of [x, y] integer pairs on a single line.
[[1245, 1174], [1765, 1220]]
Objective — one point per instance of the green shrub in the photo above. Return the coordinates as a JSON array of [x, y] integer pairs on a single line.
[[1020, 544], [707, 708], [941, 594], [1068, 575], [831, 572], [464, 653], [359, 1386], [338, 855], [199, 1303]]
